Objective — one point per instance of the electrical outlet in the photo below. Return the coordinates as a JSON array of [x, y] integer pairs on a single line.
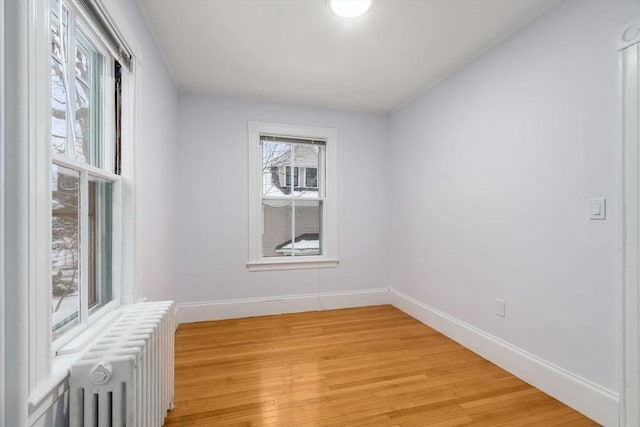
[[501, 308]]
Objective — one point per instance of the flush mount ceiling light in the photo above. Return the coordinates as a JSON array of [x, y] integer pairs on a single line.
[[349, 8]]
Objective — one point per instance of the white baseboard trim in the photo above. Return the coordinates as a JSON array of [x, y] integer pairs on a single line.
[[251, 307], [594, 401]]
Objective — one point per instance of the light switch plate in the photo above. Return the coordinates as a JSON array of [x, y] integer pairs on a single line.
[[501, 308], [598, 208]]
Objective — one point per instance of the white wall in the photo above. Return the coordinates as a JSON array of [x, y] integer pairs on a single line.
[[158, 152], [494, 168], [212, 239]]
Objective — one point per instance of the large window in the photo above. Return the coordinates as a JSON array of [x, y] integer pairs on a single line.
[[292, 197], [85, 85], [74, 82]]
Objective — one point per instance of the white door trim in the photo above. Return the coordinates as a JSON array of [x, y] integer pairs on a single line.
[[2, 246], [629, 50]]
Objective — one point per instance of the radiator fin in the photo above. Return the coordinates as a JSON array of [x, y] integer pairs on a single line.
[[126, 377]]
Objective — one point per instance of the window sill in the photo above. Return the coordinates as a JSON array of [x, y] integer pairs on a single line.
[[90, 332], [292, 265], [57, 384]]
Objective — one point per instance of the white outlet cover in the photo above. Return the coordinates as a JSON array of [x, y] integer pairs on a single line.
[[598, 208]]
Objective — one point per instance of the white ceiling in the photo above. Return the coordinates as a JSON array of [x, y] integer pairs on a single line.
[[298, 51]]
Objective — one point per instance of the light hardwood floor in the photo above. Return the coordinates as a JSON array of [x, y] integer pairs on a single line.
[[372, 366]]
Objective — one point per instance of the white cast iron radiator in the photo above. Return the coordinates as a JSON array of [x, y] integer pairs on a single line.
[[126, 377]]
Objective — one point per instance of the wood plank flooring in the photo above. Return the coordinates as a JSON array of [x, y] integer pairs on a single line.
[[372, 366]]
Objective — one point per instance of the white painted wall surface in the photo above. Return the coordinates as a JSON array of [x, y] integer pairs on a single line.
[[157, 163], [493, 169], [212, 222]]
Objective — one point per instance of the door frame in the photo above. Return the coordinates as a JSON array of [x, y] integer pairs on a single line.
[[629, 60]]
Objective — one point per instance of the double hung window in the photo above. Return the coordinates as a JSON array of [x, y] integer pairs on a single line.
[[85, 188], [292, 197]]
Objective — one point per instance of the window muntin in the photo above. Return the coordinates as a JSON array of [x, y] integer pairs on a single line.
[[83, 133]]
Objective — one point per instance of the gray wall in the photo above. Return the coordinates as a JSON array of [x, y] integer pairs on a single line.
[[474, 191], [212, 222], [158, 165], [503, 157]]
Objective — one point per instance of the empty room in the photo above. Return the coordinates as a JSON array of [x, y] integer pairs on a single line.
[[319, 212]]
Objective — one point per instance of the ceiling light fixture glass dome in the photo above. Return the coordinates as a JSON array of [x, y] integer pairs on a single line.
[[349, 8]]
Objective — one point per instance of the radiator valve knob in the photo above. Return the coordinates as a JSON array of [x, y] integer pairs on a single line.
[[101, 373]]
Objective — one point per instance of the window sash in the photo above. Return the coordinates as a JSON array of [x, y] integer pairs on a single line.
[[79, 34], [88, 315], [303, 219]]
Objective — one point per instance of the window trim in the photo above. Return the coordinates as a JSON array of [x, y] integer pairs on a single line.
[[77, 18], [46, 371], [329, 258], [3, 381]]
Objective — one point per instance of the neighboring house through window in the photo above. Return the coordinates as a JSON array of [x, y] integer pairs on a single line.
[[292, 197]]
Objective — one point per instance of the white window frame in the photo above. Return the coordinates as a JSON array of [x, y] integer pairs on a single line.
[[329, 257], [46, 367], [67, 343]]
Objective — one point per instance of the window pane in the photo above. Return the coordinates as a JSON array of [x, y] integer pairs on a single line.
[[311, 177], [89, 68], [275, 159], [56, 40], [58, 109], [291, 168], [83, 122], [58, 86], [277, 225], [100, 236], [307, 230], [292, 177], [280, 238], [307, 158], [65, 249], [82, 64]]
